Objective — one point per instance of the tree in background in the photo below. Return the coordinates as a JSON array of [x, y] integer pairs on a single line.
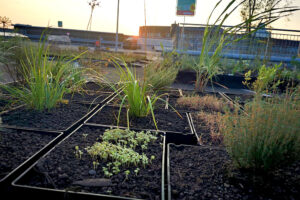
[[6, 22], [251, 8]]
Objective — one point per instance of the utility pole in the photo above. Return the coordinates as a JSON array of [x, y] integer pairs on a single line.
[[93, 4], [117, 31], [145, 25]]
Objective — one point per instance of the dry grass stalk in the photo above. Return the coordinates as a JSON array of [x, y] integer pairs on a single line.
[[212, 121], [207, 102]]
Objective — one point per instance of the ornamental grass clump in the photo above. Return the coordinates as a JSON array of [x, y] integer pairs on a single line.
[[160, 74], [137, 96], [266, 136], [45, 81]]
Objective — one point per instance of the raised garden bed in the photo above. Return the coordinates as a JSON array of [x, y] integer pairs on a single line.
[[167, 120], [57, 119], [19, 149], [205, 172], [61, 174]]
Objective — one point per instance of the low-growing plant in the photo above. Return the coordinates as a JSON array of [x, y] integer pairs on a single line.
[[129, 138], [266, 136], [118, 150]]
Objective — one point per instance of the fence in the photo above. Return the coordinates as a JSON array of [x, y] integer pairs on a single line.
[[274, 45]]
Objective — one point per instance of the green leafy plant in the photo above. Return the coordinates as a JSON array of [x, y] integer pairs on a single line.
[[266, 76], [266, 135], [117, 149], [45, 82]]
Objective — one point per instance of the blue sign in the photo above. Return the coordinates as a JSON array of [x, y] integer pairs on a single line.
[[186, 7]]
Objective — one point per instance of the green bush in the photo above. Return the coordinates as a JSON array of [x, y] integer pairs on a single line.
[[45, 82], [266, 136]]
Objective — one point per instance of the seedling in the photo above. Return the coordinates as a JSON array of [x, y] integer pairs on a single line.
[[136, 171], [95, 165], [78, 152], [127, 172]]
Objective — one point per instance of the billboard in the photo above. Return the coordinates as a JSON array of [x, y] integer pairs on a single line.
[[186, 7]]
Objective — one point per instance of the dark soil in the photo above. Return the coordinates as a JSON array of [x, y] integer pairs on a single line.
[[205, 173], [59, 118], [172, 103], [7, 103], [4, 104], [97, 87], [87, 97], [166, 120], [17, 146], [63, 169]]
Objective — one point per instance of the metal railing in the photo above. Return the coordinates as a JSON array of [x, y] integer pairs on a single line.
[[274, 45]]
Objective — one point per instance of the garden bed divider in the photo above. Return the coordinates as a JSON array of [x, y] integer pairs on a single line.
[[38, 193]]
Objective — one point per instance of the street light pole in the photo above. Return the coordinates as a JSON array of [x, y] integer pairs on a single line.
[[117, 31]]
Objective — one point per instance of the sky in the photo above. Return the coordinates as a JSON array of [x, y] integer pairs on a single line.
[[75, 14]]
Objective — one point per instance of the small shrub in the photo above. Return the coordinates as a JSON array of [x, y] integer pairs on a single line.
[[266, 137]]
